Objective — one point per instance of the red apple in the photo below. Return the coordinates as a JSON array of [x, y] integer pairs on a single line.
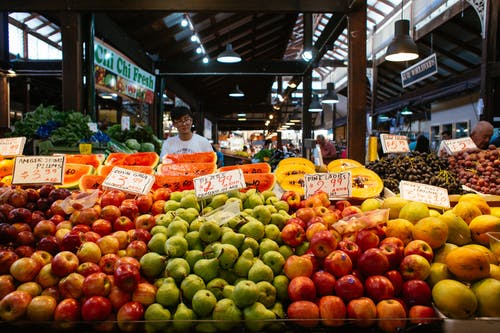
[[351, 249], [129, 208], [108, 244], [25, 238], [330, 218], [52, 292], [297, 266], [46, 277], [161, 193], [393, 253], [71, 286], [136, 249], [123, 223], [118, 297], [25, 269], [14, 305], [421, 314], [323, 243], [337, 263], [129, 315], [8, 233], [89, 252], [351, 210], [7, 257], [72, 241], [396, 279], [364, 310], [91, 236], [126, 277], [321, 211], [293, 234], [139, 234], [305, 214], [107, 263], [316, 262], [102, 226], [341, 204], [43, 257], [391, 315], [296, 220], [23, 251], [414, 267], [292, 198], [366, 240], [96, 308], [110, 212], [67, 312], [98, 284], [41, 308], [315, 219], [128, 260], [416, 292], [20, 214], [81, 228], [304, 313], [64, 262], [158, 207], [6, 285], [332, 311], [349, 287], [314, 228], [394, 240], [324, 282], [49, 244], [112, 197], [373, 262], [145, 221], [313, 202], [88, 268], [145, 293], [378, 287], [44, 228], [144, 203], [420, 247], [301, 288]]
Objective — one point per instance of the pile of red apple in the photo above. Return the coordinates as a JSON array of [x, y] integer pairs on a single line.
[[363, 278]]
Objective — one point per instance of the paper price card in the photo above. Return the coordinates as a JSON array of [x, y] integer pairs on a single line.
[[428, 194], [220, 182], [12, 146], [38, 170], [457, 145], [336, 185], [128, 181], [394, 143]]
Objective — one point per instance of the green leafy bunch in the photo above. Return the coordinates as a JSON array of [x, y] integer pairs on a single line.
[[141, 134]]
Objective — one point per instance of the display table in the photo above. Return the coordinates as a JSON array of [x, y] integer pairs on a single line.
[[233, 159]]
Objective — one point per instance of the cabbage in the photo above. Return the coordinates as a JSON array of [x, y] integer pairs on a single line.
[[147, 146], [133, 144]]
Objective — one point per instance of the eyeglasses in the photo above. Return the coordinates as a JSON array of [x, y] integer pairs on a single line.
[[183, 120]]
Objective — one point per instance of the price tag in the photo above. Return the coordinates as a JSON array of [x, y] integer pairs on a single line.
[[12, 146], [221, 182], [394, 143], [336, 185], [93, 127], [428, 194], [125, 123], [457, 145], [38, 170], [128, 181]]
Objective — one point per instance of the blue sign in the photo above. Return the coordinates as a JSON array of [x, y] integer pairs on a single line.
[[421, 70]]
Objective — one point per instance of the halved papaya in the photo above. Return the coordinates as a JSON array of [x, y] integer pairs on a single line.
[[93, 159], [90, 182], [203, 157], [72, 174], [186, 169], [286, 170], [141, 158], [104, 170], [294, 183], [259, 181], [342, 164], [296, 161], [365, 183], [261, 167], [174, 183]]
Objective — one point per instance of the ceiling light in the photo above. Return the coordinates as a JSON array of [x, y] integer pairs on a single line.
[[236, 92], [402, 46], [295, 120], [194, 38], [198, 50], [331, 95], [315, 105], [242, 119], [184, 22], [406, 111], [271, 116], [276, 107], [229, 56], [205, 60], [292, 84], [307, 55], [242, 114]]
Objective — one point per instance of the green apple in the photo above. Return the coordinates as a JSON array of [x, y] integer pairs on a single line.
[[207, 269], [272, 232], [168, 294], [158, 229], [203, 302], [227, 255], [216, 286], [177, 268], [234, 238], [192, 256], [177, 227], [157, 317], [157, 243], [257, 317], [282, 205], [176, 246], [171, 205], [210, 231], [260, 272], [183, 319], [194, 241], [218, 200], [190, 285], [152, 264], [253, 228], [280, 282], [266, 245], [267, 293], [190, 200], [189, 214], [226, 315], [262, 213], [274, 260], [245, 293], [251, 243], [196, 224]]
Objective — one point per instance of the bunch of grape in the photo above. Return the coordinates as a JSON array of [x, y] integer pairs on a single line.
[[478, 169], [424, 168]]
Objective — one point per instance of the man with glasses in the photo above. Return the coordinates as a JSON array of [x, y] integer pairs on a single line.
[[186, 142]]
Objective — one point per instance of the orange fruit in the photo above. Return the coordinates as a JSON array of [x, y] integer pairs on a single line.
[[6, 167]]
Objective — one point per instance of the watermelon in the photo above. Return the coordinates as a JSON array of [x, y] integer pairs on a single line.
[[72, 174], [206, 157], [141, 158], [174, 183], [186, 169], [104, 170], [261, 167], [260, 181], [93, 159], [90, 182]]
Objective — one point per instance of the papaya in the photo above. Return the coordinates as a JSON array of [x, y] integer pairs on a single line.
[[259, 181], [261, 167], [296, 161], [342, 164], [72, 174], [90, 182], [174, 183], [141, 158], [186, 169], [294, 183], [93, 159], [104, 170], [286, 170], [206, 157], [365, 183]]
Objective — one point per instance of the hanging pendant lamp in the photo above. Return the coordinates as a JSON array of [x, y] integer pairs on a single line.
[[229, 56], [402, 46], [331, 96], [236, 92], [315, 105]]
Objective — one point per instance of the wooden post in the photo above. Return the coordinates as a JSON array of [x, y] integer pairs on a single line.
[[72, 89]]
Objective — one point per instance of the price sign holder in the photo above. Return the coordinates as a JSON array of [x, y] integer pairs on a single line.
[[128, 181], [394, 143], [12, 146], [428, 194], [220, 182], [336, 185], [30, 170], [454, 146]]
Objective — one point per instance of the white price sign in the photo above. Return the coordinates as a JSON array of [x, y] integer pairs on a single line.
[[38, 170], [336, 185], [457, 145], [206, 186], [428, 194], [394, 143], [128, 181], [12, 146]]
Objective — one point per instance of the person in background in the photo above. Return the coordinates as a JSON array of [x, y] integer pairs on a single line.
[[481, 134], [446, 135], [220, 155], [328, 150], [422, 144], [186, 142]]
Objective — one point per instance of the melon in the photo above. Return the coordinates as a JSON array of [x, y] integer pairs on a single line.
[[294, 183], [296, 161], [203, 157], [72, 174], [104, 170], [261, 167], [286, 170], [90, 182], [186, 169], [141, 158], [342, 164], [93, 159], [259, 181], [365, 183], [174, 183]]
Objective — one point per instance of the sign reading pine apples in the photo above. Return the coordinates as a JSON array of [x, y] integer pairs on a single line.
[[220, 182], [336, 185]]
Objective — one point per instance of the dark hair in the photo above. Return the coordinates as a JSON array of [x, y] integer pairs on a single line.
[[180, 111], [422, 144]]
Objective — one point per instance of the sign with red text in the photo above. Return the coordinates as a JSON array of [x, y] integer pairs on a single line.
[[394, 143], [30, 170], [336, 185], [12, 146], [454, 146], [221, 182], [428, 194], [128, 181]]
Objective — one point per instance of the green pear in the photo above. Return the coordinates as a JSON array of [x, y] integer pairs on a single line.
[[271, 209], [253, 228], [245, 293], [176, 246], [267, 293], [244, 263], [454, 299], [203, 302], [228, 274], [206, 210], [236, 222], [159, 281], [266, 245], [285, 214], [286, 251], [227, 292], [302, 248], [226, 315], [168, 294], [238, 200], [274, 260], [177, 268], [194, 240], [192, 256], [207, 269], [177, 227], [487, 292], [268, 194], [279, 312], [183, 319], [247, 212], [171, 205], [235, 194], [157, 317], [257, 317], [218, 200], [280, 282], [196, 224], [210, 251], [278, 220], [272, 231], [157, 243], [165, 218], [260, 272], [210, 231], [216, 286], [152, 264], [224, 229], [281, 205], [158, 229], [227, 255], [190, 285], [190, 200], [189, 214], [233, 238], [262, 213], [205, 325], [271, 200], [253, 200], [177, 195]]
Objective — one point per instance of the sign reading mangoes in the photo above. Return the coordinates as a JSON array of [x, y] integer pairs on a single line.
[[30, 170], [221, 182], [394, 143], [457, 145], [12, 146], [428, 194], [336, 185], [128, 181]]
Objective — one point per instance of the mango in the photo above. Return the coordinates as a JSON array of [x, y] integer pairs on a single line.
[[482, 224], [466, 210], [468, 264], [487, 292], [431, 229], [395, 204], [454, 299], [477, 200], [458, 230]]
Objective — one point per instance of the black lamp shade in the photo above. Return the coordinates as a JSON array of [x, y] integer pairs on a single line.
[[315, 105], [228, 56], [402, 46], [237, 92], [331, 95]]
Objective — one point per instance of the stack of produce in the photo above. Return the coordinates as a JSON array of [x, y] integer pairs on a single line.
[[290, 173], [138, 139]]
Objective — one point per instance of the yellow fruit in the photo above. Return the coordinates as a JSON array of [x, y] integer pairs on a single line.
[[468, 264], [433, 212], [433, 230], [454, 299], [7, 180], [458, 230], [481, 225], [414, 211], [370, 204], [6, 166], [495, 272], [495, 211], [394, 204], [477, 200], [466, 210], [492, 259], [441, 253], [400, 228]]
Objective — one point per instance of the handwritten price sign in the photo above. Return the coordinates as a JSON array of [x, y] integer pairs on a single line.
[[394, 143], [428, 194], [128, 181], [336, 185], [12, 146], [457, 145], [220, 182], [38, 170]]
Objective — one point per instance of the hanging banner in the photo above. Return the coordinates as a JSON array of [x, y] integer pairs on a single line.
[[114, 71], [421, 70]]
